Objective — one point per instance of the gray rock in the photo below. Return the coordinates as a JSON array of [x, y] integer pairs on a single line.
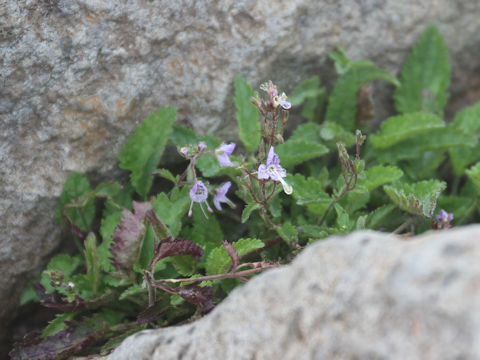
[[367, 295], [76, 76]]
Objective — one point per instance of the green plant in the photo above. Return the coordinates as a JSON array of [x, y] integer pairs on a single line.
[[163, 257]]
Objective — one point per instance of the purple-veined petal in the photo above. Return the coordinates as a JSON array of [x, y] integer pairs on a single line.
[[221, 195], [199, 192], [263, 172]]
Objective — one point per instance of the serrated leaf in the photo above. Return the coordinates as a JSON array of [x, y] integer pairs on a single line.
[[166, 174], [340, 60], [375, 217], [295, 152], [92, 262], [107, 189], [309, 191], [64, 343], [380, 175], [207, 232], [342, 105], [145, 147], [467, 120], [128, 237], [185, 265], [218, 261], [64, 263], [181, 136], [107, 227], [171, 210], [314, 231], [398, 128], [57, 324], [438, 139], [335, 133], [309, 88], [287, 232], [474, 174], [132, 291], [76, 187], [247, 211], [343, 219], [309, 132], [247, 115], [425, 77], [28, 294], [419, 198]]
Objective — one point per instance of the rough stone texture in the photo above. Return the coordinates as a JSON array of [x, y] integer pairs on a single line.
[[76, 76], [364, 296]]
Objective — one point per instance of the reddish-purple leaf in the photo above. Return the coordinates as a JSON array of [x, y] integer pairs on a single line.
[[202, 296], [232, 253], [152, 313], [60, 345], [128, 237], [60, 303], [167, 247]]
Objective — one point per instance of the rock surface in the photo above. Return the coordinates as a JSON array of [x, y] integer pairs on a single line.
[[76, 76], [367, 295]]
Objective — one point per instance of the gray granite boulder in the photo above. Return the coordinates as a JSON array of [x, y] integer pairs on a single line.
[[76, 76], [367, 295]]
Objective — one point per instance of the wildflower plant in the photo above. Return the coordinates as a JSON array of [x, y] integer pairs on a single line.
[[161, 255]]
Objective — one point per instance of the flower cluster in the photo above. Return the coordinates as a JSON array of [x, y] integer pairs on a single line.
[[443, 220], [275, 99]]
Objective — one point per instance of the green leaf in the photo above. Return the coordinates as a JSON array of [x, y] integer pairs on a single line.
[[145, 147], [438, 139], [309, 132], [380, 213], [343, 219], [310, 94], [340, 60], [314, 231], [181, 136], [185, 264], [132, 291], [334, 133], [28, 294], [207, 232], [474, 174], [419, 198], [92, 262], [107, 227], [467, 120], [309, 88], [166, 174], [107, 189], [218, 261], [171, 211], [247, 211], [64, 263], [342, 106], [208, 164], [247, 115], [295, 152], [309, 191], [425, 77], [401, 127], [57, 324], [76, 191], [288, 233], [379, 175]]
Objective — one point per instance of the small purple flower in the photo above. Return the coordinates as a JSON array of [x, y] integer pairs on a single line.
[[223, 152], [444, 217], [221, 196], [199, 194], [282, 101], [276, 100], [274, 171], [202, 146], [184, 151]]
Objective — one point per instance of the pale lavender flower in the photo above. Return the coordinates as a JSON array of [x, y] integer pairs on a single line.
[[184, 151], [273, 170], [221, 196], [202, 146], [199, 194], [223, 152], [282, 101], [276, 100]]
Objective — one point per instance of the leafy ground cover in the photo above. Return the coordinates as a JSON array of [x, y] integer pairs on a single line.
[[156, 253]]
